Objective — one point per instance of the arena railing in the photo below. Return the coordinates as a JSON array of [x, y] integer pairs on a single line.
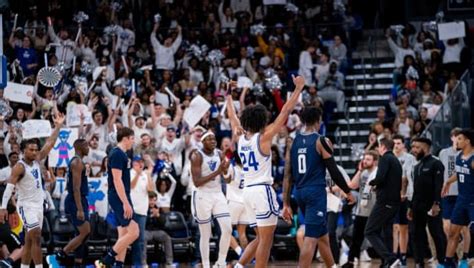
[[455, 111]]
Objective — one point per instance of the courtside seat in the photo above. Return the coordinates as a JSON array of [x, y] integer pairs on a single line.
[[283, 242], [63, 231], [177, 227]]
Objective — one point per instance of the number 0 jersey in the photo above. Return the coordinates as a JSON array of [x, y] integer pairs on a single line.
[[235, 187], [307, 167], [256, 166], [465, 175]]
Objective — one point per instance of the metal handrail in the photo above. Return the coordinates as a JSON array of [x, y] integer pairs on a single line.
[[338, 137], [348, 124], [446, 101], [356, 95]]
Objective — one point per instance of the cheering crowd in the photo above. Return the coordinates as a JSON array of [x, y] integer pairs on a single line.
[[134, 69]]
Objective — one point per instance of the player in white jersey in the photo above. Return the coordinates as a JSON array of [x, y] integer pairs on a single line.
[[26, 176], [239, 213], [255, 153], [208, 200]]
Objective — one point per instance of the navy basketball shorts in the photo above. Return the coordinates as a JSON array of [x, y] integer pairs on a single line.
[[313, 205], [71, 210], [117, 208], [463, 212], [447, 206]]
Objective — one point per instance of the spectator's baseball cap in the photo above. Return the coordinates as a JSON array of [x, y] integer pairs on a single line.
[[199, 128], [279, 25], [164, 116], [171, 127], [137, 158], [264, 61]]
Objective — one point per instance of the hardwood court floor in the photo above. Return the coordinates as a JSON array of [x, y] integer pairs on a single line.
[[281, 264]]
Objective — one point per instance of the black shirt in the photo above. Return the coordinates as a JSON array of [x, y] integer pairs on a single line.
[[388, 181], [427, 182]]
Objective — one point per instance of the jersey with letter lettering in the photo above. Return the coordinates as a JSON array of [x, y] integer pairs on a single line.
[[307, 164], [465, 175], [30, 187], [256, 166], [210, 163]]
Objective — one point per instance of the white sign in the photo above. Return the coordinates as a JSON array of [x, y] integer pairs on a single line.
[[74, 112], [451, 30], [36, 129], [18, 93], [162, 99], [97, 197], [196, 110], [274, 2], [63, 149], [244, 81]]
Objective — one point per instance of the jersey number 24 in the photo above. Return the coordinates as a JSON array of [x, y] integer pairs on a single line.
[[250, 162]]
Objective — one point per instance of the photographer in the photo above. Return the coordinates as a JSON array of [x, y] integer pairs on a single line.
[[331, 86]]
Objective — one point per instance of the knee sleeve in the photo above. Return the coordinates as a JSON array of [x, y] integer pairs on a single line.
[[315, 230]]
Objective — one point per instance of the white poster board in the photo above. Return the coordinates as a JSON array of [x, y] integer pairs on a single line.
[[196, 110], [36, 129], [97, 197], [163, 99], [274, 2], [18, 93], [244, 81], [451, 30], [63, 149], [74, 112]]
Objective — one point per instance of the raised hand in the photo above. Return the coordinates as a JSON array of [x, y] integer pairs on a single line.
[[299, 82], [59, 119]]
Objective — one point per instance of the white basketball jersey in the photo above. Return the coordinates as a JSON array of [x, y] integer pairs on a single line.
[[257, 167], [209, 165], [30, 186], [235, 189]]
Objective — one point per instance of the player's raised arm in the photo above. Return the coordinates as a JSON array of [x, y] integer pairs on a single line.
[[272, 129], [58, 119], [234, 119], [18, 171]]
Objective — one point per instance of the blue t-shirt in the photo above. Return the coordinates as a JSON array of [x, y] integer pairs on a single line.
[[118, 159], [307, 164], [26, 56]]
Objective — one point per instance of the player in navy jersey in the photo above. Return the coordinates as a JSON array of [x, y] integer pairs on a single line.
[[305, 166], [77, 207], [119, 199], [463, 212]]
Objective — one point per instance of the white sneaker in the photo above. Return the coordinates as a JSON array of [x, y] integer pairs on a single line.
[[364, 256]]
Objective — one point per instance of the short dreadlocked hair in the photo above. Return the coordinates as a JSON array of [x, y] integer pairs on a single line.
[[254, 118]]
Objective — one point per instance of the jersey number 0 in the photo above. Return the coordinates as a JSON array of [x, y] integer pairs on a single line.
[[301, 163]]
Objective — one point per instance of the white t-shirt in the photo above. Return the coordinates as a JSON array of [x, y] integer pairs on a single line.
[[164, 200], [139, 193], [174, 150], [95, 155], [5, 173]]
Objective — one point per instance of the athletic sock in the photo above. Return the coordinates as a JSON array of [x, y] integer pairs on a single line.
[[24, 266], [465, 256], [238, 250], [38, 265], [238, 265]]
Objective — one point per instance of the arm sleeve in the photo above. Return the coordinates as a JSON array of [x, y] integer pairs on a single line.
[[336, 175], [381, 172], [438, 173]]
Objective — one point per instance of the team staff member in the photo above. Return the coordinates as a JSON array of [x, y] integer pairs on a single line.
[[388, 183], [425, 206]]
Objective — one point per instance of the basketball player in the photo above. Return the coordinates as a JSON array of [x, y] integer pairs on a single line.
[[119, 199], [208, 200], [77, 208], [463, 212], [26, 176], [448, 158], [306, 163], [400, 225], [238, 212], [255, 154]]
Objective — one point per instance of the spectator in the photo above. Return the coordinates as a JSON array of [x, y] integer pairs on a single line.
[[332, 86], [322, 68], [25, 54], [452, 54], [166, 190], [164, 54], [400, 52], [338, 52], [306, 65], [228, 22], [154, 229], [403, 125]]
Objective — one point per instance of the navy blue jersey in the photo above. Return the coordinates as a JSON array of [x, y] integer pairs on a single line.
[[118, 159], [70, 182], [465, 175], [307, 164]]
